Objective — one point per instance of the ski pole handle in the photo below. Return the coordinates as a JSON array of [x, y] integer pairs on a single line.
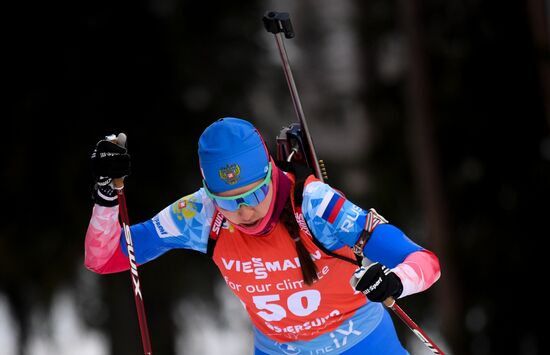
[[121, 141], [389, 302], [119, 184]]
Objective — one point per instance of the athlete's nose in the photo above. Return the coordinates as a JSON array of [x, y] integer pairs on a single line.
[[246, 212]]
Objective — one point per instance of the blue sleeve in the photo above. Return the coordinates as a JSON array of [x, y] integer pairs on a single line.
[[332, 219], [184, 224], [389, 245], [336, 222]]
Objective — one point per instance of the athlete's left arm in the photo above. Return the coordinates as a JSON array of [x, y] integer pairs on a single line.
[[336, 222]]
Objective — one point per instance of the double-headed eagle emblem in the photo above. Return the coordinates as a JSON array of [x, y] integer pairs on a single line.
[[230, 173]]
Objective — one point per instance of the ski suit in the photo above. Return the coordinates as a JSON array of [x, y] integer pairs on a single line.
[[263, 271]]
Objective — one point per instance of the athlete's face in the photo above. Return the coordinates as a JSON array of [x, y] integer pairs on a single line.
[[247, 216]]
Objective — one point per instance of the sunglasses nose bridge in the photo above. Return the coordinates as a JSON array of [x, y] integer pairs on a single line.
[[239, 203]]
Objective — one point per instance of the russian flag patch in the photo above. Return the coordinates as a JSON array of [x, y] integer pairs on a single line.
[[330, 206]]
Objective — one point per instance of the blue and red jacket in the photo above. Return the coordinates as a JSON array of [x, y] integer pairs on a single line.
[[264, 271]]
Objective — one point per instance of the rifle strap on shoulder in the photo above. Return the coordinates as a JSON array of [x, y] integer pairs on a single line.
[[301, 173], [215, 229]]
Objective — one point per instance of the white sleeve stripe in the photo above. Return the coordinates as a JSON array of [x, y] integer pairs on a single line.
[[323, 206], [105, 197]]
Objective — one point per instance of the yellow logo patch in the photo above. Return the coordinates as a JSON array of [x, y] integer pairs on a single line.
[[187, 207]]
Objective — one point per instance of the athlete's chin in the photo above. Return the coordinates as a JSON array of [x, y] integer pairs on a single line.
[[250, 224]]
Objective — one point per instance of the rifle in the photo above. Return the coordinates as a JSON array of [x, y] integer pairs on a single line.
[[294, 143]]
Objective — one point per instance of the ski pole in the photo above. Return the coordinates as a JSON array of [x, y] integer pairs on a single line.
[[278, 23], [123, 212], [390, 303]]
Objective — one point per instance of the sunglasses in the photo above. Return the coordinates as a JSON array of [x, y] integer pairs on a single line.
[[250, 198]]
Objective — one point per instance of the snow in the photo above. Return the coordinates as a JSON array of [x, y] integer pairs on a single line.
[[8, 329], [203, 331], [60, 333]]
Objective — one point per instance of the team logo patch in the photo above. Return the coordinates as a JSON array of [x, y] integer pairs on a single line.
[[187, 207], [228, 226], [230, 173], [330, 206]]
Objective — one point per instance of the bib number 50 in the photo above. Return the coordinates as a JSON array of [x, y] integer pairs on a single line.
[[301, 303]]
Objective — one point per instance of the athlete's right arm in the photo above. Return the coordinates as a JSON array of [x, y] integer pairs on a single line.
[[183, 224]]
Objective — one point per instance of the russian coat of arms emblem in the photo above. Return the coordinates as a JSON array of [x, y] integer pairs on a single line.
[[230, 173]]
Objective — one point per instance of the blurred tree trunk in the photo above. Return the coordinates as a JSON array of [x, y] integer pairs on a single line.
[[423, 150], [537, 14]]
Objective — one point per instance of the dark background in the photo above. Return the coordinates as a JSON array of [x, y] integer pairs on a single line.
[[456, 149]]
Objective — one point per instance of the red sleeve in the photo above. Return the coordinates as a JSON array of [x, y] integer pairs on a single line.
[[103, 253], [418, 272]]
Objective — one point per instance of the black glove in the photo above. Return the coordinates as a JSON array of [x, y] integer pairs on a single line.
[[109, 161], [376, 281]]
